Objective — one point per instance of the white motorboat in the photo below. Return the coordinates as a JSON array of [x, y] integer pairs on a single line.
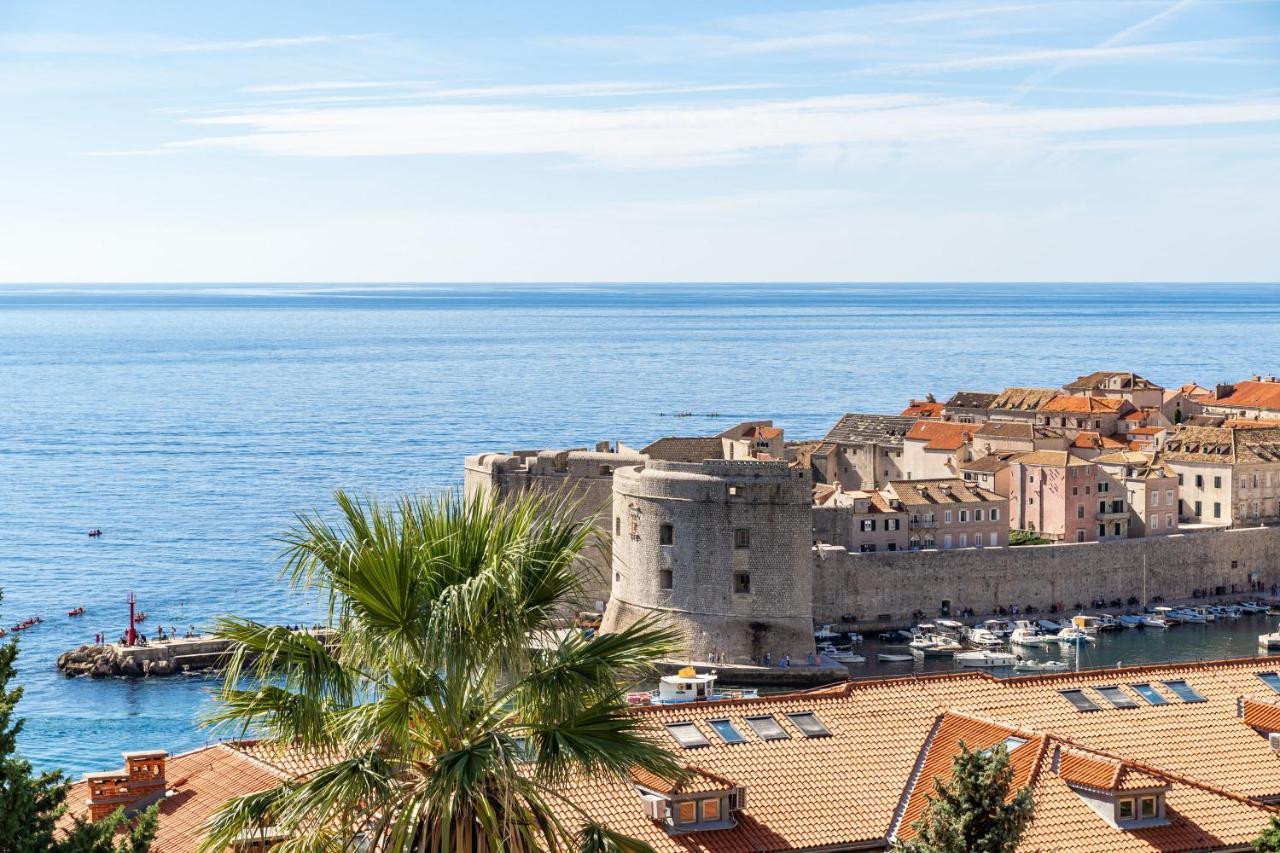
[[1129, 620], [824, 632], [688, 686], [830, 652], [1169, 614], [855, 638], [934, 645], [1269, 642], [984, 638], [1205, 613], [1073, 636], [1253, 607], [986, 659], [888, 658], [952, 627], [1040, 666], [1230, 611], [1190, 617], [1000, 627], [1026, 634], [1081, 622], [1155, 620], [1107, 622]]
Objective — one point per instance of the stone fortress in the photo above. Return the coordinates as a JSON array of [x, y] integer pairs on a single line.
[[725, 537]]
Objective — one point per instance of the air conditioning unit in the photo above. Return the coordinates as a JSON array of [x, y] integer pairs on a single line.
[[655, 808], [1274, 740], [738, 800]]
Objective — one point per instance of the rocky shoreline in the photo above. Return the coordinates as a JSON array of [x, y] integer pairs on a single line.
[[173, 657]]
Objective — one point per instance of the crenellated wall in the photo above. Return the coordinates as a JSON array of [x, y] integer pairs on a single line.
[[897, 584]]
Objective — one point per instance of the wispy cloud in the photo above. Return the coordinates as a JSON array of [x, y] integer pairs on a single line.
[[123, 44], [265, 43], [1212, 49], [649, 137]]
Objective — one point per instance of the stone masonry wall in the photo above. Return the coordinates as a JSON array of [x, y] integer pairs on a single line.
[[871, 585]]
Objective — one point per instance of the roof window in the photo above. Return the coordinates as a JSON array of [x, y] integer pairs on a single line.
[[1116, 696], [1079, 700], [727, 731], [809, 724], [767, 727], [687, 735], [1183, 691], [1270, 679], [1146, 691]]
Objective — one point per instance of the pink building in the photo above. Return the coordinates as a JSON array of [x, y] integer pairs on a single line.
[[1065, 498]]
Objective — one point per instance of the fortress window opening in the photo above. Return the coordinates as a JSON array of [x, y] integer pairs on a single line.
[[742, 538], [666, 534]]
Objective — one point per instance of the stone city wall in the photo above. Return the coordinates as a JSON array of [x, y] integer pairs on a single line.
[[888, 587]]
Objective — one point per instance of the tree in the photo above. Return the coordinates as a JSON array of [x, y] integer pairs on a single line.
[[1269, 840], [30, 805], [973, 812], [445, 705]]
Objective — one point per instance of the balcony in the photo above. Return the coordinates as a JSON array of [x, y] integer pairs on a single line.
[[922, 522], [1112, 515]]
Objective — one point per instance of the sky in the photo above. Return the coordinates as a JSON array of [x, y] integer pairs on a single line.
[[947, 140]]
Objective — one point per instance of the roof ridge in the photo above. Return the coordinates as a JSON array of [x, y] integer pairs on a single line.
[[233, 748], [913, 778]]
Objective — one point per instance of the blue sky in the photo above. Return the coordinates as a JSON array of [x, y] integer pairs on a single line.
[[1002, 140]]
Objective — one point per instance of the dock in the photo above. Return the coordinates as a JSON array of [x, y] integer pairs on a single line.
[[177, 656]]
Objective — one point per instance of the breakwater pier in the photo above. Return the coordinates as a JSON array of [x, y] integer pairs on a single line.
[[157, 658]]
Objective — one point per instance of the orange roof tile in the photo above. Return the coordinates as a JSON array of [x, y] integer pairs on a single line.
[[941, 435], [1263, 716], [923, 409], [1250, 395], [1075, 404]]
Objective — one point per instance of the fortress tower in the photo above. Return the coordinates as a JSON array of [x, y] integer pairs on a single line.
[[721, 548]]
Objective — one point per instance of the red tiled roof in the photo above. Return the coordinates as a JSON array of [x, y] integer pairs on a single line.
[[1263, 716], [941, 435], [923, 409], [1251, 395], [1076, 404]]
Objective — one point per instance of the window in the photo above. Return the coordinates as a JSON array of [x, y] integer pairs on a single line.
[[995, 514], [664, 579], [1079, 700], [946, 516], [896, 522], [1183, 691], [1155, 499], [1115, 529], [742, 538], [1217, 482], [666, 534], [687, 735], [1080, 511], [617, 527], [687, 811], [1217, 510], [1147, 807], [1075, 490], [1199, 481], [977, 515], [977, 540], [727, 731], [1079, 535], [1146, 691], [742, 582], [1102, 531], [868, 525], [1271, 680], [767, 728], [1102, 506], [1104, 487], [735, 491], [893, 546], [964, 516], [1124, 809], [1179, 479], [1168, 497], [964, 540], [1012, 742], [711, 809], [946, 540], [1155, 521], [809, 724], [868, 548], [1116, 696], [1197, 509]]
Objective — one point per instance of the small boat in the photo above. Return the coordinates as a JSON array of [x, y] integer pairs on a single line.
[[1040, 666], [1169, 614], [1130, 620], [830, 652], [1073, 636], [140, 617], [984, 638], [1107, 622], [934, 645], [4, 632], [1048, 627], [986, 659], [952, 627], [895, 637], [888, 658], [1253, 607], [1000, 627], [855, 638], [1269, 642], [76, 611], [1190, 617], [824, 632], [1154, 620], [1230, 611], [1026, 634], [1205, 613], [688, 686]]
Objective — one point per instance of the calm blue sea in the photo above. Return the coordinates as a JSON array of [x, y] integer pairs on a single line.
[[189, 423]]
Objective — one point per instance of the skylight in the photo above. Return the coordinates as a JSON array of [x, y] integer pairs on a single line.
[[767, 728], [1183, 691], [1116, 696], [727, 731], [809, 725], [687, 735], [1271, 680], [1012, 742], [1077, 698], [1146, 691]]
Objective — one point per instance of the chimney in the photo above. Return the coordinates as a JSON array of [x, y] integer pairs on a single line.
[[1257, 377], [1222, 390], [139, 784]]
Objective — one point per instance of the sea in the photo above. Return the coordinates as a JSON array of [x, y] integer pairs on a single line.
[[191, 423]]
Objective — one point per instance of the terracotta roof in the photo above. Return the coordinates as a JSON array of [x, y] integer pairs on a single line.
[[1007, 429], [1201, 444], [1091, 770], [971, 400], [952, 490], [1090, 440], [1084, 405], [1143, 430], [1250, 395], [1023, 399], [1246, 423], [990, 463], [856, 428], [694, 781], [1125, 457], [1264, 716], [686, 449], [923, 409], [941, 435], [1050, 459], [201, 781], [1110, 380]]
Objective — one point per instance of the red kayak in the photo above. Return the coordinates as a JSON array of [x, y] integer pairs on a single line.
[[78, 611]]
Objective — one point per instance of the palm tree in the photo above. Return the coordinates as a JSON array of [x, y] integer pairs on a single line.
[[445, 710]]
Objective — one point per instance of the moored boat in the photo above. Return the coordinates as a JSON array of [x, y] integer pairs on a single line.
[[1040, 666], [688, 685], [1073, 636], [1130, 620], [1026, 634], [984, 638], [986, 659], [934, 645], [1155, 620], [884, 657]]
